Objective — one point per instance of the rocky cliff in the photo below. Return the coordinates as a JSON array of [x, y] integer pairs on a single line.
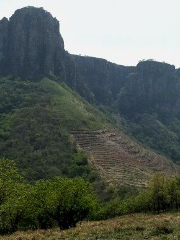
[[149, 87], [4, 46], [31, 45], [103, 79], [153, 86]]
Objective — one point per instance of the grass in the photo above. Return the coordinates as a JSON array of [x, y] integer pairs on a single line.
[[74, 111], [130, 227]]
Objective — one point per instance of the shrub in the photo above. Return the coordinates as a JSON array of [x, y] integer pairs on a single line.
[[66, 201]]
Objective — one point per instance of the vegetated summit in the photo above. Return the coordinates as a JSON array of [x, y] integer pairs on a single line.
[[53, 105]]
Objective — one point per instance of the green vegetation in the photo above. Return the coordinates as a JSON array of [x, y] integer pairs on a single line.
[[158, 133], [36, 119], [59, 202], [149, 104], [162, 195], [63, 202]]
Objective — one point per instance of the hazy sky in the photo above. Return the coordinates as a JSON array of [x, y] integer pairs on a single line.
[[121, 31]]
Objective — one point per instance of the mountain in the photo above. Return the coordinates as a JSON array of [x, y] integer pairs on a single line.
[[54, 105], [150, 103], [31, 44], [143, 100]]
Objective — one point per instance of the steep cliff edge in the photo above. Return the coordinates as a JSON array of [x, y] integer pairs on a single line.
[[4, 46], [31, 45], [103, 79], [153, 86]]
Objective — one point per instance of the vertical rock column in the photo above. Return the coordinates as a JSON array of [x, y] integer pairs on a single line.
[[4, 23]]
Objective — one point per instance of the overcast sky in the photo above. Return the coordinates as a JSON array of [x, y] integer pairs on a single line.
[[121, 31]]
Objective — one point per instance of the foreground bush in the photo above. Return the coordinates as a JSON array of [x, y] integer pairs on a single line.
[[60, 202], [65, 201], [162, 194]]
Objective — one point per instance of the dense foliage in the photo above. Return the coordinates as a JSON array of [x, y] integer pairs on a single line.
[[36, 119], [156, 132], [162, 194], [48, 203], [63, 202]]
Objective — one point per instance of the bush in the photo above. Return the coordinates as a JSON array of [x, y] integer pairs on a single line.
[[66, 201], [60, 202]]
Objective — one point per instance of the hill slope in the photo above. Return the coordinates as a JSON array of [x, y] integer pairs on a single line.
[[36, 120], [119, 159]]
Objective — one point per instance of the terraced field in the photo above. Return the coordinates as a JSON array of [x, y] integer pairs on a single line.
[[119, 159]]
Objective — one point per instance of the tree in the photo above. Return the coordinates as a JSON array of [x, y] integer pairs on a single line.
[[159, 194], [66, 201], [8, 177], [11, 194]]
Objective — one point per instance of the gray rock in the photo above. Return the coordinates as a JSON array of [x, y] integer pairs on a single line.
[[35, 46], [4, 23]]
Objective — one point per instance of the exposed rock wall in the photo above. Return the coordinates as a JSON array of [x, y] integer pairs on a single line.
[[4, 46], [35, 46], [31, 47], [104, 79], [153, 86]]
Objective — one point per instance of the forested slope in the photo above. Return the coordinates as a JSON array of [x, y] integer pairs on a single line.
[[35, 120]]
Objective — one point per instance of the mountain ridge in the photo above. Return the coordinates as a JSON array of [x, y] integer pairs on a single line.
[[142, 98]]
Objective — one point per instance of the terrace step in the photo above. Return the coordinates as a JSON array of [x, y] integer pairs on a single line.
[[120, 159]]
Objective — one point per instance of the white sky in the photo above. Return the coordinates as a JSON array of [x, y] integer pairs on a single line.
[[121, 31]]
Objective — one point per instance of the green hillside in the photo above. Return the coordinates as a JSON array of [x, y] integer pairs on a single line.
[[35, 120], [161, 135]]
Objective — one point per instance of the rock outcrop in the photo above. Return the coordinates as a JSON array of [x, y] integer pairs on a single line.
[[153, 86], [31, 45], [4, 46], [103, 79]]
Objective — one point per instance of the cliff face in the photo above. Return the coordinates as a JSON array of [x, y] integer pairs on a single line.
[[4, 45], [153, 86], [149, 87], [31, 45], [103, 79]]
